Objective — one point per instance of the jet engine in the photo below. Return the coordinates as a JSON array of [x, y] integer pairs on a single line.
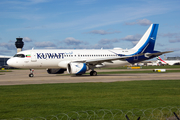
[[77, 68], [56, 71]]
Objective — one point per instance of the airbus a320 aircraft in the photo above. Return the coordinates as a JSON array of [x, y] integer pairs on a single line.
[[77, 62]]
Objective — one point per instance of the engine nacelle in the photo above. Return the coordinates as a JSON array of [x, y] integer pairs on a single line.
[[56, 71], [77, 68], [100, 65]]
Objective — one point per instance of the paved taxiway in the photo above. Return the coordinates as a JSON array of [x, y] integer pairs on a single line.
[[20, 77]]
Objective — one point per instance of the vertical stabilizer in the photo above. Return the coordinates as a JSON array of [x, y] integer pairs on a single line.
[[147, 42]]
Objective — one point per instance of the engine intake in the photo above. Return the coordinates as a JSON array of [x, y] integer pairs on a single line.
[[77, 68]]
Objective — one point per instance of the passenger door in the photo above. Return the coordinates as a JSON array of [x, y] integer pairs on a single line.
[[33, 56]]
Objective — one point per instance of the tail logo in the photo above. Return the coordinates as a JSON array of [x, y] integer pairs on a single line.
[[161, 59], [152, 38]]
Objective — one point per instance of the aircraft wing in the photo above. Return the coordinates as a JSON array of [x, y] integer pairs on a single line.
[[101, 60], [156, 54], [123, 58]]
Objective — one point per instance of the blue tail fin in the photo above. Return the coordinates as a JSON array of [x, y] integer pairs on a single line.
[[147, 42]]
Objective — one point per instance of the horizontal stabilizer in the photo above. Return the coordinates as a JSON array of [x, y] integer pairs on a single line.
[[157, 53]]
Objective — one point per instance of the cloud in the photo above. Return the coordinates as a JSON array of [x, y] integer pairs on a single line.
[[93, 17], [4, 52], [170, 35], [174, 40], [38, 1], [32, 17], [105, 43], [172, 49], [104, 46], [133, 38], [27, 39], [85, 2], [143, 22], [45, 44], [20, 2], [108, 41], [24, 9], [104, 17], [161, 44], [174, 37], [72, 41], [9, 46], [102, 32]]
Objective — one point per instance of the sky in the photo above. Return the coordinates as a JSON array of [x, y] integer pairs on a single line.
[[88, 24]]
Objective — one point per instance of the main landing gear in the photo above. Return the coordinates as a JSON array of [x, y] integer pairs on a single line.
[[93, 73], [31, 73]]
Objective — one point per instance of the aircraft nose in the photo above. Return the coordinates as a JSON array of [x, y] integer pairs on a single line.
[[10, 62]]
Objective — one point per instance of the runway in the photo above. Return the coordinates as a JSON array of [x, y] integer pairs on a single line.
[[21, 77]]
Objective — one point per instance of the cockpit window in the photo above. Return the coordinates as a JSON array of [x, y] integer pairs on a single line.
[[19, 55]]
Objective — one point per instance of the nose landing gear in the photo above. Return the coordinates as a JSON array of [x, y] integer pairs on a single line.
[[31, 73]]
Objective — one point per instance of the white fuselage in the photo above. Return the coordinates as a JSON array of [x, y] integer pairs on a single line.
[[169, 62], [60, 58]]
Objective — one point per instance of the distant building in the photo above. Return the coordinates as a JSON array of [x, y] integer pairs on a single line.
[[3, 60], [173, 58]]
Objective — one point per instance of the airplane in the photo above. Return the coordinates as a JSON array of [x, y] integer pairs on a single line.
[[78, 61], [167, 62]]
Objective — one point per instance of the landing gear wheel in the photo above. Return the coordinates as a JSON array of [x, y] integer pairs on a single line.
[[93, 73], [31, 73]]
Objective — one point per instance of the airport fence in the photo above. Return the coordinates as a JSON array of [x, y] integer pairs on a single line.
[[162, 113]]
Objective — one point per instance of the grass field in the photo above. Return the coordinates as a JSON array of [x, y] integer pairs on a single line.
[[27, 101]]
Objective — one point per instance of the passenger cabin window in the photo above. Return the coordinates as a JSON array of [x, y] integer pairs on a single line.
[[19, 55]]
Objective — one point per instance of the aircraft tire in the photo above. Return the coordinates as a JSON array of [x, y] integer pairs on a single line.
[[93, 73], [31, 75]]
